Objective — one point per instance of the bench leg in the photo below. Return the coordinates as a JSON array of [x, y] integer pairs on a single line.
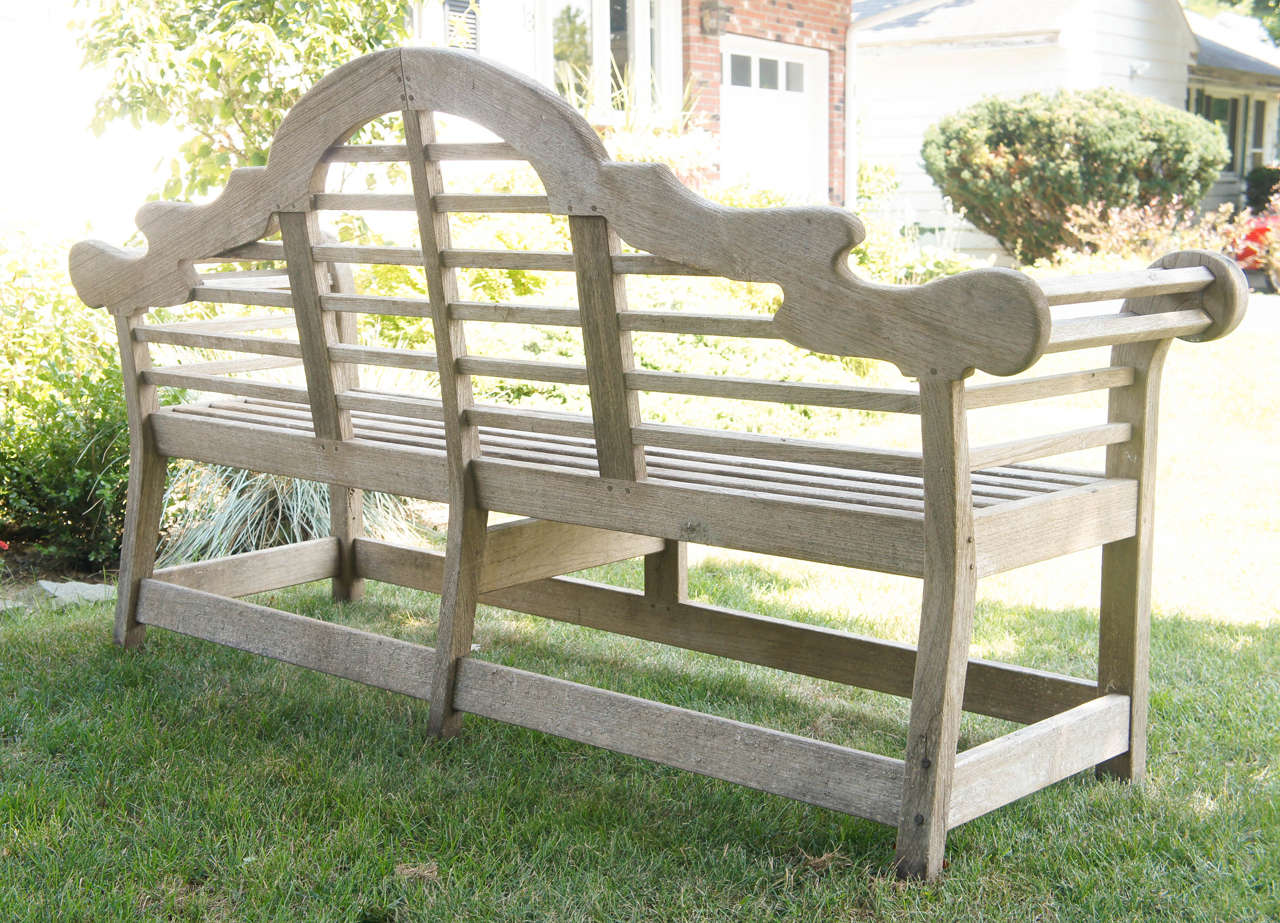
[[346, 522], [666, 574], [1124, 643], [144, 504], [464, 555], [1124, 634], [946, 625]]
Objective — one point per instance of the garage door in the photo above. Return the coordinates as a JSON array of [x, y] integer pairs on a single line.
[[773, 117]]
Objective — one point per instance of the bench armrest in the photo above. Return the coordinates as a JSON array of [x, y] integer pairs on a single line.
[[1194, 295]]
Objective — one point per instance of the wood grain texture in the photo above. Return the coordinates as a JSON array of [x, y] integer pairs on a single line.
[[827, 775], [1038, 528], [946, 625], [1003, 770], [464, 544], [531, 549], [615, 409], [402, 470], [346, 504], [1124, 638], [875, 539], [259, 571], [1001, 690], [144, 500], [948, 514], [305, 642]]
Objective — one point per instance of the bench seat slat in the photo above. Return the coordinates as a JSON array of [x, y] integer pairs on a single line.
[[987, 489]]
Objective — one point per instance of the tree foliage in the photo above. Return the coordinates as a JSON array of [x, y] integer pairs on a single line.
[[1017, 165], [224, 73]]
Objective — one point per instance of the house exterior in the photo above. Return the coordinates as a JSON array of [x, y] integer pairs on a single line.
[[799, 92], [910, 68], [766, 76]]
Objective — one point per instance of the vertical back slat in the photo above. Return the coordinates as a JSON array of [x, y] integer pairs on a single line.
[[317, 329], [464, 549], [615, 409]]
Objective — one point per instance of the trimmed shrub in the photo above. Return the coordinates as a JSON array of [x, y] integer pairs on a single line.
[[64, 442], [1015, 166], [1259, 186]]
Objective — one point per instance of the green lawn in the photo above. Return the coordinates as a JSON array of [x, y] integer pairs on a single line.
[[194, 782]]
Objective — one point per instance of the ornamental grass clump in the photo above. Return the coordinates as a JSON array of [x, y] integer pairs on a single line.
[[1017, 166]]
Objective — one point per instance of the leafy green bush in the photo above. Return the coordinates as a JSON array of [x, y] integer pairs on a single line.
[[1259, 186], [1017, 165], [64, 445]]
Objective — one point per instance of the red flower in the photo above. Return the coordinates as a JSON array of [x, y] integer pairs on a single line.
[[4, 546]]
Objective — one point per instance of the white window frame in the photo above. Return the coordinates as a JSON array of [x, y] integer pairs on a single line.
[[664, 72]]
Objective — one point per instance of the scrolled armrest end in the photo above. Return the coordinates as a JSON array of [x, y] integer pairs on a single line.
[[1224, 298]]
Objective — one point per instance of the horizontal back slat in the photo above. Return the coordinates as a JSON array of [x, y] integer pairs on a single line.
[[393, 153], [414, 360], [1110, 329], [175, 335], [264, 298], [1110, 286], [368, 201], [784, 392]]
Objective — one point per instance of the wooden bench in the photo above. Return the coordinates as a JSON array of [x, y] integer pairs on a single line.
[[614, 483]]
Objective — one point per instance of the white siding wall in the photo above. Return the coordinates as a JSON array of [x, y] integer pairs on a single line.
[[1142, 46], [900, 90]]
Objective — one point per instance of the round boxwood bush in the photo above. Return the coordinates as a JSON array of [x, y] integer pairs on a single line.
[[1016, 165]]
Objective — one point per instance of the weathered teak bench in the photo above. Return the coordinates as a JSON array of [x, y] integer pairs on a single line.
[[612, 485]]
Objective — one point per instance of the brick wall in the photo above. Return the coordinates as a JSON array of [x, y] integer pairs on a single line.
[[811, 23]]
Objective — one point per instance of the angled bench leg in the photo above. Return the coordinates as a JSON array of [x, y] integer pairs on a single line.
[[346, 523], [144, 502], [946, 623], [346, 504], [1124, 636], [144, 506], [463, 558], [666, 574]]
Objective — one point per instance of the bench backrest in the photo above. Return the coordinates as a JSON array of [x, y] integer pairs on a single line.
[[625, 222]]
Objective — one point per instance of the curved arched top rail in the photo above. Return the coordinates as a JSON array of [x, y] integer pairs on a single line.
[[995, 320]]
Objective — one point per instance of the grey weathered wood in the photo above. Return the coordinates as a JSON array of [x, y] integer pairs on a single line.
[[144, 501], [263, 297], [246, 387], [1125, 327], [946, 625], [377, 304], [723, 325], [607, 486], [346, 504], [994, 394], [391, 153], [1021, 450], [1001, 690], [884, 400], [666, 574], [615, 409], [335, 649], [258, 571], [1035, 529], [464, 548], [1003, 770], [1124, 638], [532, 549], [173, 336], [1108, 286], [404, 470], [830, 776], [872, 538], [385, 356]]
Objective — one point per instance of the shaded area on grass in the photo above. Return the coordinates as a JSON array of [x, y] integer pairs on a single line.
[[195, 782]]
